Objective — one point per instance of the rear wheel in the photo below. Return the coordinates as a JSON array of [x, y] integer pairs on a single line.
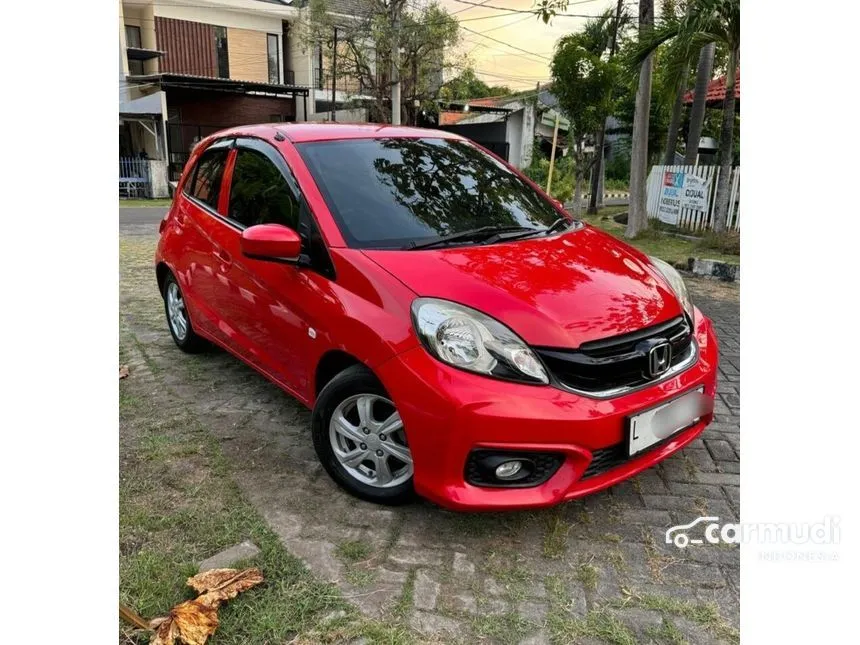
[[360, 440], [177, 318]]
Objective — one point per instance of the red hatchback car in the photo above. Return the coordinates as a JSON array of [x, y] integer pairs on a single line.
[[456, 333]]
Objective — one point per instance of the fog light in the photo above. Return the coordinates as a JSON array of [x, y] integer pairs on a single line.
[[509, 469]]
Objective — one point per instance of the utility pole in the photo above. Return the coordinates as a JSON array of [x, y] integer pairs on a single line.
[[334, 76], [395, 63], [597, 167]]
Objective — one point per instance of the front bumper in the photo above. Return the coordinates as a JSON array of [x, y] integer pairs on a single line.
[[448, 413]]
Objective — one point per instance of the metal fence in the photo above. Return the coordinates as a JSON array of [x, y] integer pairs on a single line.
[[134, 177], [690, 218]]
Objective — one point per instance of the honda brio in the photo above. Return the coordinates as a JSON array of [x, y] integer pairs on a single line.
[[454, 331]]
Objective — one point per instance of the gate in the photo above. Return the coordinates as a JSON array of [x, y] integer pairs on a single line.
[[134, 177]]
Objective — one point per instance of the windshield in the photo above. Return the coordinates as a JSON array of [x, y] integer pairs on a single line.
[[396, 193]]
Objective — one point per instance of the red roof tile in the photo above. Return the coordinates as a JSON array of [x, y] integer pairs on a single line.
[[717, 90]]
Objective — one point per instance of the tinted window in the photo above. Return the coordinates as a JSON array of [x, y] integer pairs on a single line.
[[206, 182], [274, 58], [260, 194], [221, 52], [386, 193]]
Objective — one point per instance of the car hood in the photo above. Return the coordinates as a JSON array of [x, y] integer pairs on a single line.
[[557, 291]]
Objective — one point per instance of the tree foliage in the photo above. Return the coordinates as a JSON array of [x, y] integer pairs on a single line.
[[365, 39], [582, 81], [467, 85]]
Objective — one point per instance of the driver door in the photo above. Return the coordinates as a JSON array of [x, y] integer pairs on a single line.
[[269, 305]]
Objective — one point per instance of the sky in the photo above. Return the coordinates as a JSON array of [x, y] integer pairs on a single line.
[[501, 63]]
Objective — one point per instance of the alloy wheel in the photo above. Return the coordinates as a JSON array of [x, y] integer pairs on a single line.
[[368, 440], [176, 313]]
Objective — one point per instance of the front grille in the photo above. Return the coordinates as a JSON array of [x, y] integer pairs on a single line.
[[543, 466], [617, 362]]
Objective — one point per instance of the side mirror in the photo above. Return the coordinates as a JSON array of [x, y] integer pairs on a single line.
[[272, 242]]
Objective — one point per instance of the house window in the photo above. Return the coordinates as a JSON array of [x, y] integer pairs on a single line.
[[221, 51], [135, 68], [274, 58], [132, 36]]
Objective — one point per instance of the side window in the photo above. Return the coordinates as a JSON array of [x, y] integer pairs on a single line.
[[259, 193], [205, 185]]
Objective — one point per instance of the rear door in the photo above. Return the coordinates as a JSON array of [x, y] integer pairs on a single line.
[[196, 206]]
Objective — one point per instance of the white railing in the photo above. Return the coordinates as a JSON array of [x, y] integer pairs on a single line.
[[691, 217], [134, 177]]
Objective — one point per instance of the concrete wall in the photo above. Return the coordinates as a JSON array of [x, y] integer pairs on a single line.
[[514, 137], [158, 177]]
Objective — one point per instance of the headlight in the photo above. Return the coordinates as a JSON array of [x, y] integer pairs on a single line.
[[466, 338], [676, 282]]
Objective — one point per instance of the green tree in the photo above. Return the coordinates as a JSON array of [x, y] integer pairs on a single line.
[[582, 82], [364, 51], [708, 22], [467, 85]]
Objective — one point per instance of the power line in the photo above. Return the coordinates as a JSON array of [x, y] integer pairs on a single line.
[[534, 12], [501, 42]]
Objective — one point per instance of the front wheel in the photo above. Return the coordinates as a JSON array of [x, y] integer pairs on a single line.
[[177, 318], [359, 438]]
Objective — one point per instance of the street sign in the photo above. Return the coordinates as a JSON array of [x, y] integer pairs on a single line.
[[681, 190]]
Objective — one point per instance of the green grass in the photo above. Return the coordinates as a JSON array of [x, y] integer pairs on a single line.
[[354, 551], [179, 505], [705, 614], [509, 627], [598, 623], [657, 242], [555, 536], [587, 574], [145, 203], [667, 633]]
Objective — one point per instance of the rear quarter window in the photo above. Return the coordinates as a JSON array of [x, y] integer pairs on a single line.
[[204, 184]]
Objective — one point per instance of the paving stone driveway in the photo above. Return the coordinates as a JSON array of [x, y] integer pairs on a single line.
[[590, 571]]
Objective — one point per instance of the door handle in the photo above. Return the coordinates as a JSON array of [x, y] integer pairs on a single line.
[[223, 256]]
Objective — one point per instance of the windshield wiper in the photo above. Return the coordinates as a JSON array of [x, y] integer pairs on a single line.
[[558, 225], [463, 236]]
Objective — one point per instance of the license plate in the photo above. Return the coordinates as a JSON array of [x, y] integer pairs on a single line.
[[661, 422]]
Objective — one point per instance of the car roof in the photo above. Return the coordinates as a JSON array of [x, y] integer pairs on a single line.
[[302, 132]]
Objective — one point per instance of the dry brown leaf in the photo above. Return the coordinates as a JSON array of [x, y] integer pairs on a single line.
[[123, 371], [225, 583], [191, 621], [194, 621]]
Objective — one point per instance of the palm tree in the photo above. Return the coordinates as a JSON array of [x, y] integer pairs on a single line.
[[708, 22], [637, 217], [697, 111]]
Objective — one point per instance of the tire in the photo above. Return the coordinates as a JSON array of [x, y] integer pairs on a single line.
[[185, 338], [354, 417]]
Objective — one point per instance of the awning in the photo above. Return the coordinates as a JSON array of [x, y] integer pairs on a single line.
[[212, 83], [139, 53]]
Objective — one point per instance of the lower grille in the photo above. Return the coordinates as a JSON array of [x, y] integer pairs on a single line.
[[543, 465], [620, 362], [605, 459]]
